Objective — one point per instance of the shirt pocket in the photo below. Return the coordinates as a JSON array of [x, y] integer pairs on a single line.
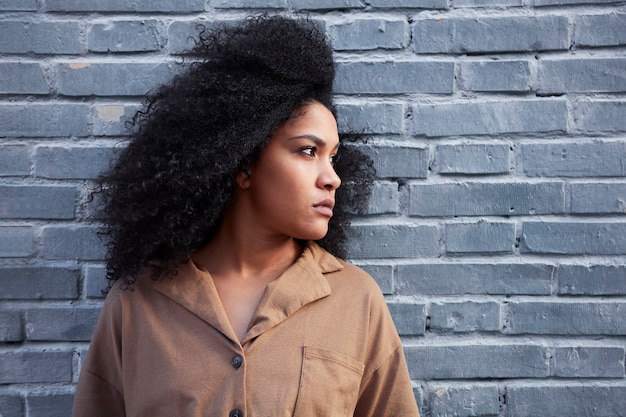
[[329, 384]]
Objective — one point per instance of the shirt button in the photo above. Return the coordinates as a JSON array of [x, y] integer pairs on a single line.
[[236, 362], [236, 413]]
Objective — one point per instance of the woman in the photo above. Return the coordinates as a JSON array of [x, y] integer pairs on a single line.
[[223, 301]]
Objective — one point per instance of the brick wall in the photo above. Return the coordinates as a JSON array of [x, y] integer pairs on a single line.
[[496, 229]]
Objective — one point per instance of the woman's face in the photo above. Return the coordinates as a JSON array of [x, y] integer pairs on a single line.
[[291, 188]]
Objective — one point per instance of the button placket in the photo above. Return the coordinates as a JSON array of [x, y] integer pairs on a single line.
[[236, 361]]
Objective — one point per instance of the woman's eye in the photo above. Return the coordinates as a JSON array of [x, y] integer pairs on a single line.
[[334, 159], [310, 151]]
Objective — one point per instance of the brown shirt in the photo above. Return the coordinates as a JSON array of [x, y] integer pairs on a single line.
[[321, 343]]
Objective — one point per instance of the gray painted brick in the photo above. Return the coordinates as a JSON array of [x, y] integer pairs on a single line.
[[18, 5], [480, 237], [588, 361], [11, 404], [566, 2], [465, 401], [409, 318], [382, 274], [487, 3], [472, 159], [478, 361], [558, 400], [41, 202], [574, 238], [326, 4], [16, 241], [578, 75], [485, 199], [484, 34], [385, 198], [181, 34], [38, 283], [61, 324], [468, 316], [95, 281], [600, 116], [394, 77], [396, 161], [474, 278], [49, 404], [10, 326], [123, 6], [112, 119], [66, 242], [598, 159], [600, 30], [107, 79], [592, 280], [32, 366], [75, 162], [367, 34], [490, 117], [21, 78], [123, 36], [492, 75], [371, 117], [14, 160], [22, 37], [392, 241], [572, 318], [417, 4], [246, 4], [43, 120], [598, 198]]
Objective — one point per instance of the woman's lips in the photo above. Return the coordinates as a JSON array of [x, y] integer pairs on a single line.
[[325, 207]]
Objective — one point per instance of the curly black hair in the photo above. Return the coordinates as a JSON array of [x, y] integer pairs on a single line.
[[165, 195]]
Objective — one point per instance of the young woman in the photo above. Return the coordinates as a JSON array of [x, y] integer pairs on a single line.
[[228, 293]]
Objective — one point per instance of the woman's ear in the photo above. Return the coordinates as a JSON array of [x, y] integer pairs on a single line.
[[243, 178]]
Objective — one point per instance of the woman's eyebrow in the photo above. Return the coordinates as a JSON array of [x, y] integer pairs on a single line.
[[316, 139]]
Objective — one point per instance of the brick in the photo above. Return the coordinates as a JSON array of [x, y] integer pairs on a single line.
[[600, 116], [23, 37], [409, 318], [474, 278], [43, 120], [181, 35], [49, 404], [16, 241], [382, 274], [385, 198], [581, 75], [592, 280], [14, 160], [468, 316], [399, 161], [108, 79], [21, 78], [558, 400], [472, 159], [124, 36], [514, 76], [369, 34], [11, 404], [37, 202], [484, 34], [589, 362], [38, 283], [10, 326], [488, 3], [180, 6], [75, 162], [72, 242], [95, 281], [325, 4], [597, 159], [477, 361], [484, 199], [371, 117], [561, 318], [392, 241], [490, 117], [480, 237], [560, 3], [61, 324], [32, 366], [417, 4], [112, 119], [570, 238], [394, 77], [18, 5], [600, 30], [465, 401], [246, 4], [598, 198]]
